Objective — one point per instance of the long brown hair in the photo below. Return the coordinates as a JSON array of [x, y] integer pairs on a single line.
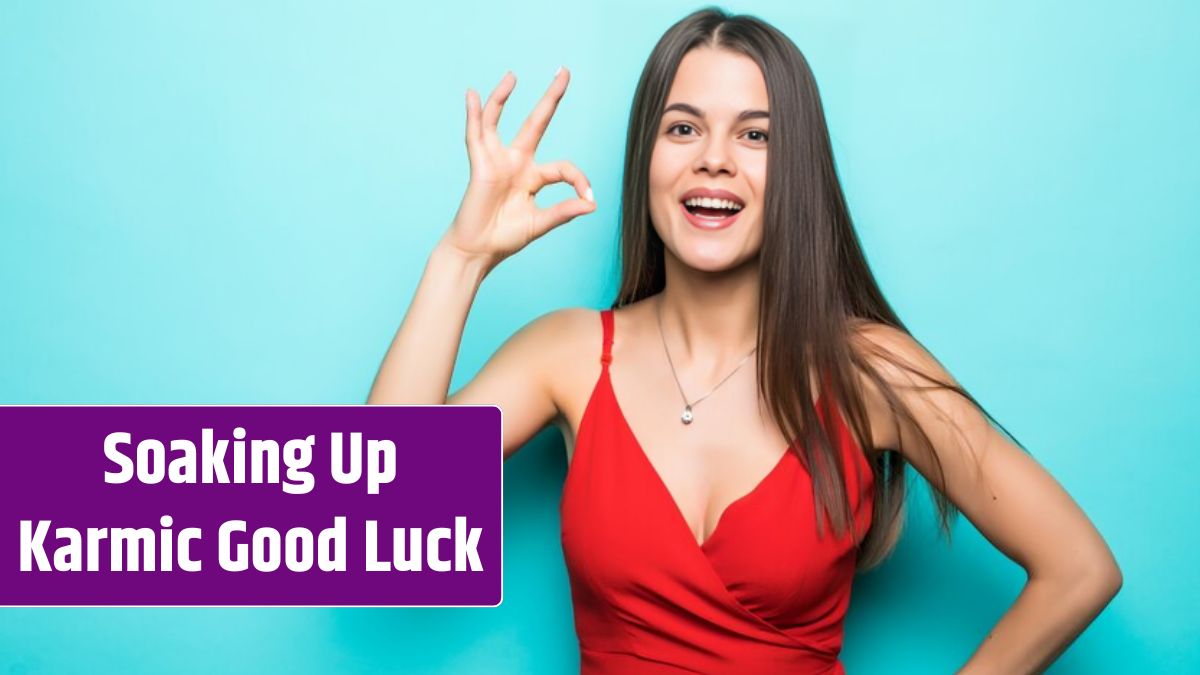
[[815, 284]]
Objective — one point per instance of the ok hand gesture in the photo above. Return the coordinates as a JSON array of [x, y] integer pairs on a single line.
[[497, 216]]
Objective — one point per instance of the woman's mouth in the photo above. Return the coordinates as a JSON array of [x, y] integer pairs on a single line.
[[709, 216]]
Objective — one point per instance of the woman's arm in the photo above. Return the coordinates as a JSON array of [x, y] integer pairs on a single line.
[[1010, 499], [420, 361], [497, 218]]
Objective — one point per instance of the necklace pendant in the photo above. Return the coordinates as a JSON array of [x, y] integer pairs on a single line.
[[686, 417]]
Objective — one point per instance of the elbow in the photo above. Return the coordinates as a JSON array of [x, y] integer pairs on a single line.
[[1106, 574], [1111, 580], [1105, 587], [1097, 577], [1103, 579]]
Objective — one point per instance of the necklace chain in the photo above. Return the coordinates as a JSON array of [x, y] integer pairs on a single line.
[[687, 415]]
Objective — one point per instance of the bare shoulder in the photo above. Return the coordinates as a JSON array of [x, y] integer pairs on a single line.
[[875, 339], [900, 359], [903, 364], [557, 341], [565, 331], [554, 338], [551, 329]]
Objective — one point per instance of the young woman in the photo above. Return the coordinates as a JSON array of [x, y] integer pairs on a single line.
[[738, 423]]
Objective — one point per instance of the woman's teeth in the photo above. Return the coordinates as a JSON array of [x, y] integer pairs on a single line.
[[710, 203], [709, 208]]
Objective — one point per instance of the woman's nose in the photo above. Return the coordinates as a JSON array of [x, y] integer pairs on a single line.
[[715, 158]]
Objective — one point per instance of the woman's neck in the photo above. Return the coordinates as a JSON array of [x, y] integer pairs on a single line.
[[709, 319]]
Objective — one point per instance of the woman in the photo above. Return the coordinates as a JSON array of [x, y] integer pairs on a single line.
[[697, 537]]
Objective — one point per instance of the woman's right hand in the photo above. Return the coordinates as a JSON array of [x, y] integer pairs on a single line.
[[498, 216]]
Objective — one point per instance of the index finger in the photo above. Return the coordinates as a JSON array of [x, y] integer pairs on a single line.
[[535, 125]]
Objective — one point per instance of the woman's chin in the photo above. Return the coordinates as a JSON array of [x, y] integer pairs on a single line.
[[705, 252], [711, 257]]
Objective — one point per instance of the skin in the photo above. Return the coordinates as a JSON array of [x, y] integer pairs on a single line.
[[545, 373]]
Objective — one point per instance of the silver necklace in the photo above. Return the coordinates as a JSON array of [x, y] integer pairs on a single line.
[[687, 415]]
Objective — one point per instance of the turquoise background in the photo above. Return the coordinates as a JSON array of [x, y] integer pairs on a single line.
[[229, 202]]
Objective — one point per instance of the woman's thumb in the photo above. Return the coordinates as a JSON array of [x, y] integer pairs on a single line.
[[549, 218]]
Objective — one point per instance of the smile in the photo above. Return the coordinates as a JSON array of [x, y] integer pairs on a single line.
[[705, 222]]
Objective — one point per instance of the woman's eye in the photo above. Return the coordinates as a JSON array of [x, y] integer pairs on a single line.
[[762, 135], [688, 127]]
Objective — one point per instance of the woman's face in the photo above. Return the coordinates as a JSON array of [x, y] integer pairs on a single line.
[[712, 137]]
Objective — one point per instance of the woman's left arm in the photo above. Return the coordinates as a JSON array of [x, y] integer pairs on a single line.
[[1015, 503]]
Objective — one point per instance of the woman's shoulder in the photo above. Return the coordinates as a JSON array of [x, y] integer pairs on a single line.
[[563, 331], [568, 317], [901, 363], [565, 346], [892, 351], [579, 330]]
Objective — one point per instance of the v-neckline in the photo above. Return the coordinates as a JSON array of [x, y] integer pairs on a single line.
[[606, 375]]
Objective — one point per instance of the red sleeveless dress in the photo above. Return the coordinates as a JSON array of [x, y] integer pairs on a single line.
[[762, 595]]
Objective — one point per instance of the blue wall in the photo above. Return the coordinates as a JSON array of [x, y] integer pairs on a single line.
[[230, 202]]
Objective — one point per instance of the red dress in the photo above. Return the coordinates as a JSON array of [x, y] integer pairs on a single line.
[[761, 595]]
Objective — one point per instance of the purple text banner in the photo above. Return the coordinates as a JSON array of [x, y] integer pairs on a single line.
[[250, 505]]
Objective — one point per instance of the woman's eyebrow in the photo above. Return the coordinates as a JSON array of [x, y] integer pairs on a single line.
[[696, 112]]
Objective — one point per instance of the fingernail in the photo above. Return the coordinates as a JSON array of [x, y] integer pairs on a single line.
[[558, 72], [589, 196]]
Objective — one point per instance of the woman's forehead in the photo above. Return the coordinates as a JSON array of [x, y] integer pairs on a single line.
[[718, 82]]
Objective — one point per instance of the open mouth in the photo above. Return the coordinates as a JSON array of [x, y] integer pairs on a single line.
[[714, 209], [709, 213]]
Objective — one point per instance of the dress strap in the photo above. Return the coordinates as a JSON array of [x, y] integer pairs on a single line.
[[606, 319]]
